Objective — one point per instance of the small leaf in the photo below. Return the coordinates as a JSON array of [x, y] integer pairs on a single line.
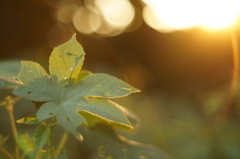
[[66, 60], [30, 119], [40, 136]]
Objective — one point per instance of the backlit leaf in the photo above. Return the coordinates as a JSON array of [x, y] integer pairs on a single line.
[[66, 60], [72, 96], [100, 85]]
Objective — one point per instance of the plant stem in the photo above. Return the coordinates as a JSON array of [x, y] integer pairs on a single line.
[[14, 129], [8, 155], [61, 144], [9, 107]]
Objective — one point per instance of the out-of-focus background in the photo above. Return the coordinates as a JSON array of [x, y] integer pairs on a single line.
[[178, 52]]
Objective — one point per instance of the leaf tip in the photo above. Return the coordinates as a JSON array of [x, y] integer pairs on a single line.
[[130, 89], [73, 38]]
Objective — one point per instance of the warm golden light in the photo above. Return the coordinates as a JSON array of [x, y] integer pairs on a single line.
[[117, 13], [182, 14], [104, 17], [86, 21]]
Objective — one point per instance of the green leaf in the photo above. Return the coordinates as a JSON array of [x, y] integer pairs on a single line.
[[99, 85], [66, 60], [30, 119], [40, 136], [67, 113], [68, 92], [106, 110], [36, 82]]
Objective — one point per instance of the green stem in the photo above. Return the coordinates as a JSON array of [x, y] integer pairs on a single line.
[[14, 129], [9, 107], [61, 144]]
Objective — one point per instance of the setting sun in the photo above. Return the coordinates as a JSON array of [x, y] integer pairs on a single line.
[[175, 15]]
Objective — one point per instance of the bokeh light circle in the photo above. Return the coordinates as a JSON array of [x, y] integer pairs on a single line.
[[117, 13], [86, 21]]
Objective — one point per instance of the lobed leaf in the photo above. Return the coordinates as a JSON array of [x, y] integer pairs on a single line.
[[72, 96]]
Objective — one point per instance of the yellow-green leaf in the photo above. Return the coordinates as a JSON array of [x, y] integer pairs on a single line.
[[30, 119]]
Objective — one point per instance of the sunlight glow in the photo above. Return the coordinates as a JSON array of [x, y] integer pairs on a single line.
[[182, 14], [117, 13], [104, 17], [86, 21]]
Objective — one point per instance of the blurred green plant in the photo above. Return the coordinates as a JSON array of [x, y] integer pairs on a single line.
[[70, 98]]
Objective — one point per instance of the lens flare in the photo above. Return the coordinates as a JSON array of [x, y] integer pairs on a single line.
[[175, 15]]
